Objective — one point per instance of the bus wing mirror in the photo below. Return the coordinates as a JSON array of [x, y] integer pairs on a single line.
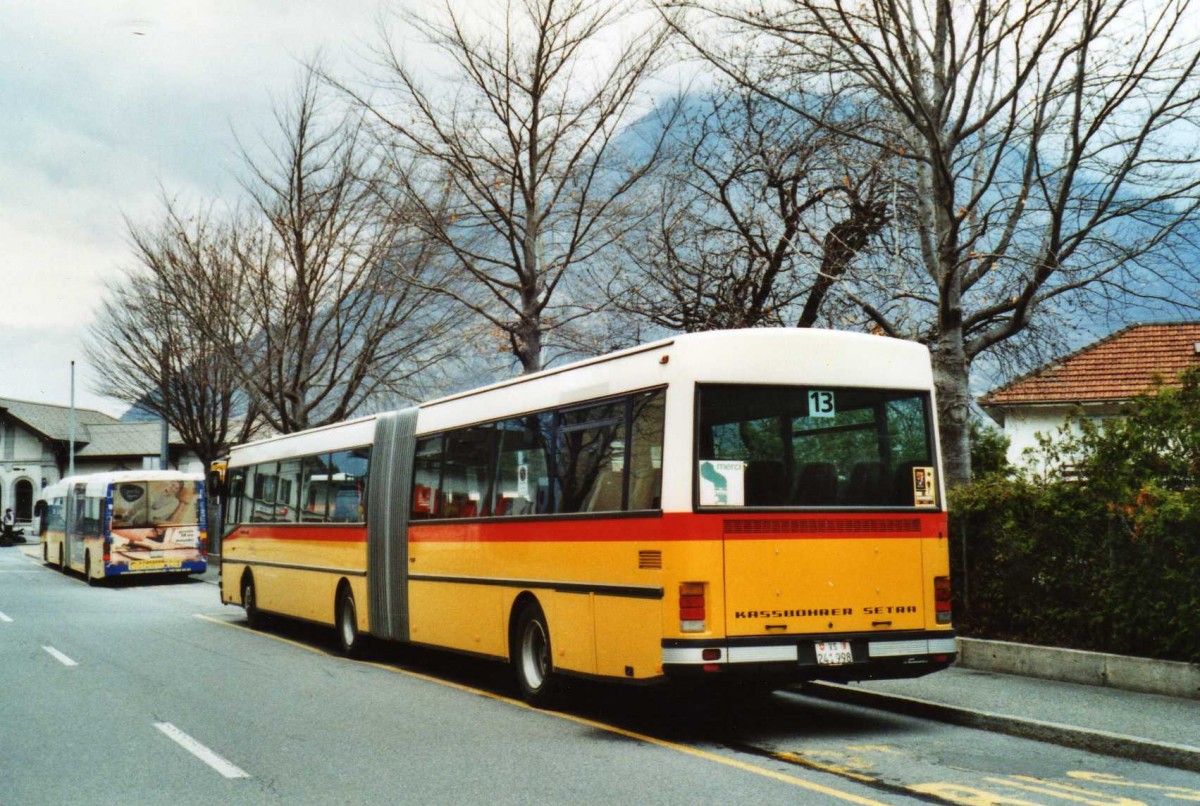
[[216, 478]]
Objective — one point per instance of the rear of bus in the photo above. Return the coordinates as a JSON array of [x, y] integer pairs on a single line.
[[815, 470], [156, 525]]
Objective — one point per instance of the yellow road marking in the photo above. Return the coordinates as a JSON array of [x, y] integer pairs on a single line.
[[873, 748], [836, 769], [641, 737], [1064, 791]]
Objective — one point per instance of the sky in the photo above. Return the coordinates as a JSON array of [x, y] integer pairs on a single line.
[[103, 107]]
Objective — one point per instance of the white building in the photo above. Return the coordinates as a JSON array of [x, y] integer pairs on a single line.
[[1096, 380], [35, 441]]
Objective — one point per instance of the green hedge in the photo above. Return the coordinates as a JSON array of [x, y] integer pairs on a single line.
[[1107, 559]]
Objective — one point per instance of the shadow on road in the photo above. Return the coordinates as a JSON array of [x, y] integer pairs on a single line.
[[724, 715]]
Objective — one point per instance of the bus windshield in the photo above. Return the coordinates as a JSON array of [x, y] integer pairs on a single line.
[[792, 446], [147, 504]]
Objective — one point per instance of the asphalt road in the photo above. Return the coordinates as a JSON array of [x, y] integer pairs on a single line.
[[155, 693]]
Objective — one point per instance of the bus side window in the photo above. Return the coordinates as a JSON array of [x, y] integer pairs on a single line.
[[92, 511], [348, 488], [523, 474], [77, 509], [235, 489], [468, 468], [57, 520], [590, 458], [315, 485], [287, 499], [265, 483], [246, 499], [645, 451], [427, 474]]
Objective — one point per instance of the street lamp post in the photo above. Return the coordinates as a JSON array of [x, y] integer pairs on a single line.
[[71, 456]]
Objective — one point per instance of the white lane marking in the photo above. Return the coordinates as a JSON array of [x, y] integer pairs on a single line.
[[60, 657], [221, 765], [5, 619]]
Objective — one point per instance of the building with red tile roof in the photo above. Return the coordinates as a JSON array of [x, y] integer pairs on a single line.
[[1098, 379]]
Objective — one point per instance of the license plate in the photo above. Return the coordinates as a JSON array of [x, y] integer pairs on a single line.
[[834, 653]]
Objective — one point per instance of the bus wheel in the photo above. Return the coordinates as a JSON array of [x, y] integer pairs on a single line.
[[87, 569], [531, 659], [62, 559], [252, 615], [347, 624], [46, 553]]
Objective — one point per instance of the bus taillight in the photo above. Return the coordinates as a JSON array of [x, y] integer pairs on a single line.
[[941, 599], [691, 607]]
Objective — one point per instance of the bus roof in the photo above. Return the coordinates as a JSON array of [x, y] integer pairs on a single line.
[[779, 356], [322, 439], [97, 483], [703, 343], [769, 356]]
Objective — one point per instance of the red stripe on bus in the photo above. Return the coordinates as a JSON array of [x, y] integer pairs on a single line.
[[685, 526], [669, 527], [305, 533]]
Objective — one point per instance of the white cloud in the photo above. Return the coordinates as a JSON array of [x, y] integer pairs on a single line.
[[104, 104]]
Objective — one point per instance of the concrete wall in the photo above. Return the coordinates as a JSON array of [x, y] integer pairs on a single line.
[[1074, 666]]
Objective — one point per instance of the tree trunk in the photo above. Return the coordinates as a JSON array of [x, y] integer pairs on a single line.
[[950, 380]]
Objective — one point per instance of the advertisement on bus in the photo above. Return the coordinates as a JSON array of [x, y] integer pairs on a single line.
[[157, 525]]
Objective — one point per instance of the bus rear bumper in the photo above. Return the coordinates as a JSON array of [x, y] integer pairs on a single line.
[[134, 569], [874, 656]]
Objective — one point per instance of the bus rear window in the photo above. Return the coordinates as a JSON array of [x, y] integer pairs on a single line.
[[790, 446], [142, 504]]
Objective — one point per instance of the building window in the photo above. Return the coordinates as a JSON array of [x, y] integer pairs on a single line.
[[23, 491]]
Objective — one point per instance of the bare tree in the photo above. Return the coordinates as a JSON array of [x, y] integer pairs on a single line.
[[757, 214], [516, 150], [1050, 147], [331, 282], [146, 350]]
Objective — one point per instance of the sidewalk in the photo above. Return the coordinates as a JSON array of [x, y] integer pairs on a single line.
[[1146, 727]]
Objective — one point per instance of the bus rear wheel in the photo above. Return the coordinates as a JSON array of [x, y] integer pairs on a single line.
[[349, 639], [532, 660], [62, 559], [253, 618], [87, 569]]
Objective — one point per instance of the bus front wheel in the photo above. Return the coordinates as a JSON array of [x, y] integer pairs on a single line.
[[349, 638], [532, 661], [248, 603]]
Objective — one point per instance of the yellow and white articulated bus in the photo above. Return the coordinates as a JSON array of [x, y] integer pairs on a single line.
[[125, 522], [753, 506]]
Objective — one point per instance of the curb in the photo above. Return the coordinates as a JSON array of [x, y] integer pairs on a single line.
[[1184, 757], [1168, 678]]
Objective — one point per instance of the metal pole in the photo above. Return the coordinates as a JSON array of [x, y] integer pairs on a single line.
[[71, 460], [166, 445], [162, 458]]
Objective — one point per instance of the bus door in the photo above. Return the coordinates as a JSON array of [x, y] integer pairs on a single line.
[[76, 525]]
